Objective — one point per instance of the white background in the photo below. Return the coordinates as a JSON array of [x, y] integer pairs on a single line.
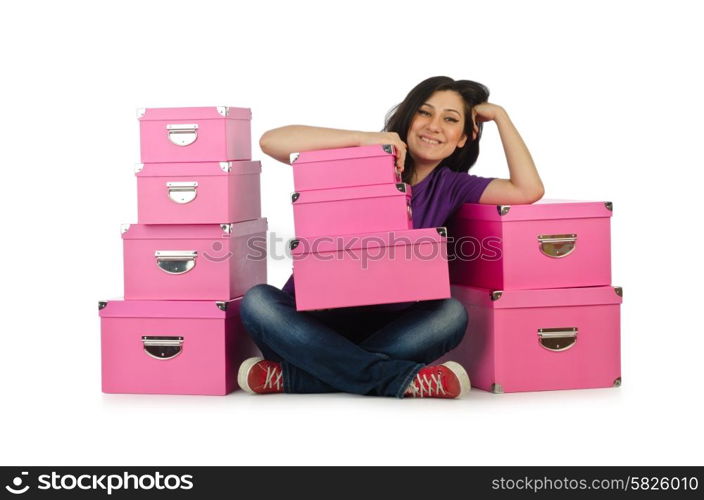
[[607, 95]]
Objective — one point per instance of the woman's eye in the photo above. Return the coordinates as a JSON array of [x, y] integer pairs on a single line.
[[423, 112], [453, 120]]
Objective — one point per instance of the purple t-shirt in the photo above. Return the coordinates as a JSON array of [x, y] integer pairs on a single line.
[[434, 199]]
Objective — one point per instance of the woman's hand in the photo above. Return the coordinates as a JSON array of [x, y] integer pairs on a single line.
[[369, 138], [485, 112]]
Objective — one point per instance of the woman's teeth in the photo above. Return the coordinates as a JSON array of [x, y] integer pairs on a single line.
[[429, 141]]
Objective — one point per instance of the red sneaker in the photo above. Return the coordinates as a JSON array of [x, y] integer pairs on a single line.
[[259, 376], [448, 380]]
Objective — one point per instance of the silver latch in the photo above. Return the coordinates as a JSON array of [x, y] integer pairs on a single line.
[[503, 209], [176, 261], [557, 339], [162, 347], [557, 245], [182, 192], [183, 134]]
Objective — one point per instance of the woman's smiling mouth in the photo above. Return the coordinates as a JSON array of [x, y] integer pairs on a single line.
[[427, 140]]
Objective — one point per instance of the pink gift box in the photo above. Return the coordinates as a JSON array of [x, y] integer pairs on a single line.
[[540, 340], [370, 268], [194, 261], [195, 134], [198, 193], [344, 167], [172, 347], [549, 244], [351, 210]]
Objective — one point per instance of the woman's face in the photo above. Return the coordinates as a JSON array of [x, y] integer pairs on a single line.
[[437, 128]]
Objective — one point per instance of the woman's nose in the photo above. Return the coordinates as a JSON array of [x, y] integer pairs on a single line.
[[434, 124]]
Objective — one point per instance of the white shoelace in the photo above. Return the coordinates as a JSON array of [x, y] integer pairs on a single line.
[[273, 377], [422, 386]]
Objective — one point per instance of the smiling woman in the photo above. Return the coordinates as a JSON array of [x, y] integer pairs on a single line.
[[387, 349]]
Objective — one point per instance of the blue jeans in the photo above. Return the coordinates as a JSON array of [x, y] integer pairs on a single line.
[[361, 350]]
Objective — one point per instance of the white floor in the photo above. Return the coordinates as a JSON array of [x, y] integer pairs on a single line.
[[626, 426]]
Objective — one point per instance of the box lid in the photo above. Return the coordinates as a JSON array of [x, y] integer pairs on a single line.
[[198, 169], [193, 231], [169, 308], [543, 209], [342, 153], [550, 297], [368, 241], [351, 193], [196, 113]]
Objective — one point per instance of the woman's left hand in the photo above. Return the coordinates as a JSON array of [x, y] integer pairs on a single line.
[[485, 112]]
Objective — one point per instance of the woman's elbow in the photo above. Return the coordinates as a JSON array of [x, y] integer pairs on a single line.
[[537, 194], [264, 141], [271, 145], [527, 197]]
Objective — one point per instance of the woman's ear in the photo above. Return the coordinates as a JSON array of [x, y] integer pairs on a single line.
[[463, 141], [475, 128]]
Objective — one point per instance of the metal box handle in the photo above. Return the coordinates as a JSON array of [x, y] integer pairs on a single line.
[[182, 192], [410, 210], [176, 261], [557, 245], [183, 134], [161, 347], [557, 339]]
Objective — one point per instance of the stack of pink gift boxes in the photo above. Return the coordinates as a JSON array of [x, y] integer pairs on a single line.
[[536, 283], [198, 246], [355, 243]]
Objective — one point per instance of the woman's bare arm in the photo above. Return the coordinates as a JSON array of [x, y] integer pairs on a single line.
[[524, 185], [280, 142]]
